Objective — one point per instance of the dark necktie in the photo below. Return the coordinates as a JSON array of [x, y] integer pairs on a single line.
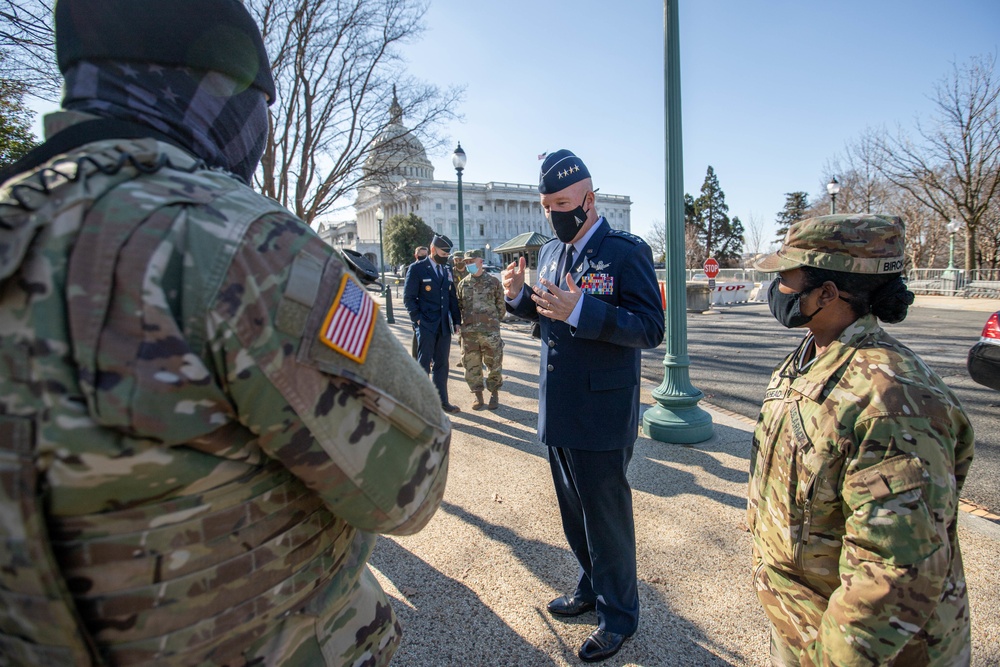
[[568, 266]]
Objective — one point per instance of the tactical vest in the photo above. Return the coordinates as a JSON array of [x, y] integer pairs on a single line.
[[186, 579]]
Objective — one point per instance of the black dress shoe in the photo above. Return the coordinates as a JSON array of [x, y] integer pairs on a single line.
[[601, 645], [448, 407], [569, 606]]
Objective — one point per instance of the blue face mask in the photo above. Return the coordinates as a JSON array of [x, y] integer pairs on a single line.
[[786, 308]]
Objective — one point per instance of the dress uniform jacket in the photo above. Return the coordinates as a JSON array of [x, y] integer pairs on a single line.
[[589, 375], [189, 466], [856, 469], [430, 299]]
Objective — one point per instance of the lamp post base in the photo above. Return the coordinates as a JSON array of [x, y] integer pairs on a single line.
[[677, 418], [679, 426], [389, 319]]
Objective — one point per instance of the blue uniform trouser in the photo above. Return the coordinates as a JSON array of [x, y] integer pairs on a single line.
[[595, 502], [434, 347]]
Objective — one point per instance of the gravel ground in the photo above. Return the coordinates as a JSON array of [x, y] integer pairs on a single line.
[[471, 588]]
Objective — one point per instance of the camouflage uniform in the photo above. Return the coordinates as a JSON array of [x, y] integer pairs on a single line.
[[188, 474], [480, 298], [458, 266], [856, 467], [458, 274]]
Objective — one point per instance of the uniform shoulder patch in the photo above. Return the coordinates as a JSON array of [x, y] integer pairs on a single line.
[[628, 236], [350, 322]]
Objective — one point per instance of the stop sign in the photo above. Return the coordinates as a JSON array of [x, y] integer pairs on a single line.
[[711, 267]]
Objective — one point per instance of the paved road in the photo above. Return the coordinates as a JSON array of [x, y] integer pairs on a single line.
[[733, 353]]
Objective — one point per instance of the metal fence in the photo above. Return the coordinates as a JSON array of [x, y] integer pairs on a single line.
[[734, 275], [983, 283]]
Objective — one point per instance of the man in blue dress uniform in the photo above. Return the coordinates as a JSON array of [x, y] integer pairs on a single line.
[[430, 298], [598, 305]]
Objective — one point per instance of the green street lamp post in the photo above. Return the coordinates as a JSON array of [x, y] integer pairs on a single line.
[[953, 226], [833, 188], [676, 417], [379, 215], [458, 159]]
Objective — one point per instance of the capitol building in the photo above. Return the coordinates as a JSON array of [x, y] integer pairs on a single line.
[[493, 212]]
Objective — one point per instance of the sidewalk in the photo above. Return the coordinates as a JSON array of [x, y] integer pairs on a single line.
[[957, 303], [471, 588]]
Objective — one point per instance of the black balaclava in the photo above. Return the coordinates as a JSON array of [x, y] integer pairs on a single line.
[[218, 120]]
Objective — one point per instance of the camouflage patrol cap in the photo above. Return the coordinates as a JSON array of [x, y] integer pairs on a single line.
[[849, 243], [473, 254], [458, 254]]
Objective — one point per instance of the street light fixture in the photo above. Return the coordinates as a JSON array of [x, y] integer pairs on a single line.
[[833, 187], [379, 215], [458, 159], [953, 226]]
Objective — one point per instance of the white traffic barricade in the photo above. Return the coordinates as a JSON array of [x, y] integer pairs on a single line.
[[731, 292], [759, 294]]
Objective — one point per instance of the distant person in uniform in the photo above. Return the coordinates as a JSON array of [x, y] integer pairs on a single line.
[[190, 401], [419, 254], [458, 272], [598, 305], [480, 299], [458, 266], [858, 460], [430, 299]]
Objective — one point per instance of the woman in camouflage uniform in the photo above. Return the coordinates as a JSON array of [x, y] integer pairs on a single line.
[[858, 460]]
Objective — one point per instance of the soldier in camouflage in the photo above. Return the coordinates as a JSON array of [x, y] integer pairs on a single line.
[[858, 459], [458, 266], [459, 272], [480, 298], [203, 419]]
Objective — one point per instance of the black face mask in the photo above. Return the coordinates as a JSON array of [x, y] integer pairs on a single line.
[[786, 307], [567, 223], [441, 260]]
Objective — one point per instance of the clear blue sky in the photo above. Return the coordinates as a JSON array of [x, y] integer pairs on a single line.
[[771, 90]]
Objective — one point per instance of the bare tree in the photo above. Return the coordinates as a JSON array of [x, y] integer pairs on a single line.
[[863, 188], [988, 241], [755, 236], [926, 234], [657, 240], [28, 39], [694, 250], [953, 168], [337, 71], [341, 94]]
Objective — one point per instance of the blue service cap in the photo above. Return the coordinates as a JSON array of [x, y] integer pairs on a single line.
[[442, 242], [561, 170]]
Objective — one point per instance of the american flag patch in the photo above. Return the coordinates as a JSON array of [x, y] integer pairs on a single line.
[[349, 325]]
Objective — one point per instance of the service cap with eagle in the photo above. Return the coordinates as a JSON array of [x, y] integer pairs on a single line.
[[849, 243], [441, 242], [559, 171]]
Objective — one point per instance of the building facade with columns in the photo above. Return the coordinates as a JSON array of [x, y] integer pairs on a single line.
[[493, 212]]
